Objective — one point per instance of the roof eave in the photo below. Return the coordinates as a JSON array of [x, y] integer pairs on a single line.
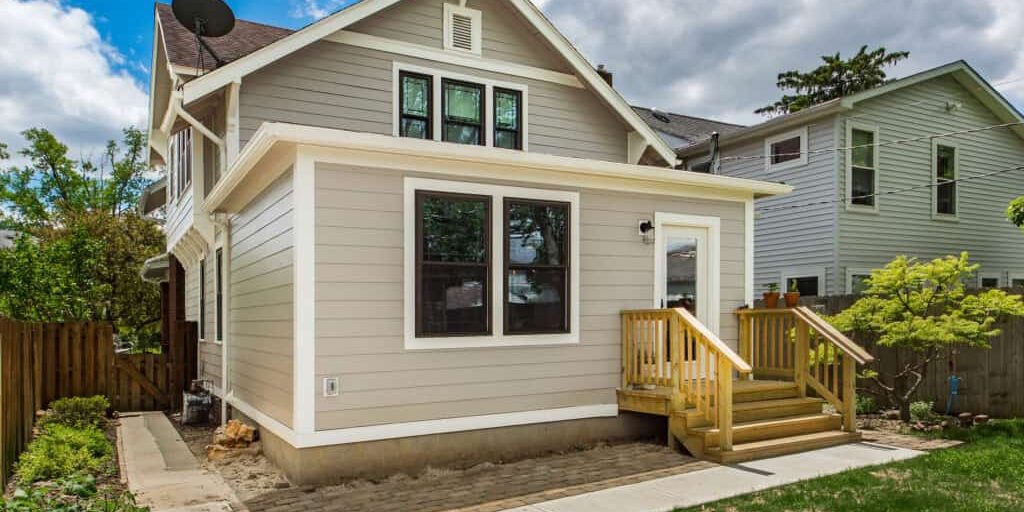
[[768, 127]]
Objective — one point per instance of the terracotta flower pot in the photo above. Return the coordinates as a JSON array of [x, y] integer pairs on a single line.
[[771, 300], [792, 299]]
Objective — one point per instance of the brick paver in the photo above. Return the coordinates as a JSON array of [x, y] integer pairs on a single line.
[[491, 488], [910, 442]]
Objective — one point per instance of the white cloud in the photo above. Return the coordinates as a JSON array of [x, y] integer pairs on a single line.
[[316, 9], [56, 72]]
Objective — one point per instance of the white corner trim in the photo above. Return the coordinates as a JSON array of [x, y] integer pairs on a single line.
[[497, 193], [801, 132], [476, 17], [848, 157], [419, 51], [436, 104], [419, 428], [304, 343], [749, 224], [709, 311]]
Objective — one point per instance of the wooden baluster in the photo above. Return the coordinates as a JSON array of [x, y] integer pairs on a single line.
[[625, 353], [724, 403], [708, 372], [800, 365], [849, 393], [836, 361], [674, 325], [644, 355]]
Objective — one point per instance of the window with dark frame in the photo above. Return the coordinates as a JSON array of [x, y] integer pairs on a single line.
[[417, 105], [807, 286], [785, 150], [536, 246], [508, 116], [945, 179], [453, 265], [989, 282], [219, 271], [202, 299], [863, 171], [462, 109]]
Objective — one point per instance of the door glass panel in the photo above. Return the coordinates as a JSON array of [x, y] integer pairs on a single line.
[[681, 272]]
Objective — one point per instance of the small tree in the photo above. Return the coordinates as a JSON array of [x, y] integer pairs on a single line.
[[923, 307], [1016, 211]]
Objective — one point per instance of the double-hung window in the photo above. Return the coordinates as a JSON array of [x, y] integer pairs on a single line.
[[416, 103], [491, 265], [463, 109], [181, 161], [508, 114], [862, 167], [945, 180]]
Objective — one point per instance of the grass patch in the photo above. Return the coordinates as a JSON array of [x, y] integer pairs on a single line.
[[987, 474]]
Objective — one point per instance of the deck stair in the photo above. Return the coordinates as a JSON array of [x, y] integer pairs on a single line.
[[782, 412]]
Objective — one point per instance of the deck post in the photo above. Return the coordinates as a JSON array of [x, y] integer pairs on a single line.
[[746, 340], [626, 326], [724, 402], [674, 342], [849, 393], [800, 358]]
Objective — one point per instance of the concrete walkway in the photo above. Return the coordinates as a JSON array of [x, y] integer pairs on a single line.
[[666, 494], [162, 472]]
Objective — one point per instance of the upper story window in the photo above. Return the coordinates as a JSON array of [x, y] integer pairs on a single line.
[[463, 112], [437, 105], [786, 150], [864, 170], [463, 29], [416, 98], [946, 169], [180, 164]]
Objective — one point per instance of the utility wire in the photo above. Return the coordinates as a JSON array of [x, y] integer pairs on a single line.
[[878, 144], [893, 192]]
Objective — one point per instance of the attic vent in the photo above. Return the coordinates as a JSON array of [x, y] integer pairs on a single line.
[[462, 28]]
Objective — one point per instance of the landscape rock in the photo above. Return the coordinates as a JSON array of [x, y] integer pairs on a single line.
[[892, 415], [981, 419]]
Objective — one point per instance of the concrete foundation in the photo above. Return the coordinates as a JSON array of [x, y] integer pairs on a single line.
[[376, 459]]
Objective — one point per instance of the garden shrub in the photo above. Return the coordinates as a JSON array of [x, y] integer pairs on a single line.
[[922, 411], [78, 412], [75, 494], [866, 405], [62, 451]]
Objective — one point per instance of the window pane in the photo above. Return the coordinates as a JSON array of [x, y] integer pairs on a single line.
[[506, 139], [863, 184], [454, 229], [462, 103], [807, 286], [453, 299], [786, 150], [537, 301], [415, 128], [945, 199], [537, 233], [506, 106], [681, 253], [863, 156], [990, 282], [462, 134], [945, 162], [415, 96]]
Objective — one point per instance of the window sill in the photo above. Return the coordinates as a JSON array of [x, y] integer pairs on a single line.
[[943, 217], [855, 208], [501, 341]]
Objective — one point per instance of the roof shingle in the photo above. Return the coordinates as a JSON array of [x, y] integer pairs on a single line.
[[246, 38], [688, 128]]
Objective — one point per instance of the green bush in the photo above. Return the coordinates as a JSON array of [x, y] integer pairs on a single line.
[[75, 494], [61, 451], [922, 411], [78, 412], [866, 405]]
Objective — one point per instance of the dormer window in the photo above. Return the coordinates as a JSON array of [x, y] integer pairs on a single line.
[[462, 29]]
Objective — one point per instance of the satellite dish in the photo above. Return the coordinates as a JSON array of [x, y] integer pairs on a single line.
[[204, 18]]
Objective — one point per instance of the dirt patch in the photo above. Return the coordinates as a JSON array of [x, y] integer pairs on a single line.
[[246, 470]]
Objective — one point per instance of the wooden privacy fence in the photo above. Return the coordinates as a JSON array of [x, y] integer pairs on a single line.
[[40, 363], [992, 381]]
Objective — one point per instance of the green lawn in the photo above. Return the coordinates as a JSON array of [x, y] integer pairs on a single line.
[[987, 474]]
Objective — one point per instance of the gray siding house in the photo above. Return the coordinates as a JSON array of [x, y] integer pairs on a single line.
[[344, 200], [898, 191]]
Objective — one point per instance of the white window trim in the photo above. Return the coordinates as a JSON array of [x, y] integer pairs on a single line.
[[796, 272], [1012, 277], [855, 271], [998, 276], [850, 127], [949, 217], [498, 338], [799, 132], [221, 335], [437, 114], [713, 225], [203, 270], [450, 10]]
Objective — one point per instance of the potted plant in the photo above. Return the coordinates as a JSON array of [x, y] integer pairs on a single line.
[[793, 295], [771, 296]]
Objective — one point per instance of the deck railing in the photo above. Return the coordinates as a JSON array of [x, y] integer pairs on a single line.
[[798, 344], [671, 348]]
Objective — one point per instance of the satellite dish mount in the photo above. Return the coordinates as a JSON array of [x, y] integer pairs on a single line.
[[205, 18]]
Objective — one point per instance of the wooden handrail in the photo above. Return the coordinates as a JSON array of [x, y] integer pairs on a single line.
[[717, 344], [840, 340]]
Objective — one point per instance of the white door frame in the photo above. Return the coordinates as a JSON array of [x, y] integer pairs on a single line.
[[713, 225]]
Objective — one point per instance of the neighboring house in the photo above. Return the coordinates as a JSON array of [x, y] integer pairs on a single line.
[[408, 233], [680, 131], [833, 230], [7, 238]]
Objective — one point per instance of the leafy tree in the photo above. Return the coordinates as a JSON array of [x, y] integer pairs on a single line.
[[82, 242], [1016, 211], [836, 78], [925, 308]]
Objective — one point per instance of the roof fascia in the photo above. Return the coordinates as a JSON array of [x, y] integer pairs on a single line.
[[768, 128]]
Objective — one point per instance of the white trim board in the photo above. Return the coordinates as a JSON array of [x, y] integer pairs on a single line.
[[498, 193], [713, 227], [802, 133], [419, 428], [795, 272], [304, 298], [854, 271]]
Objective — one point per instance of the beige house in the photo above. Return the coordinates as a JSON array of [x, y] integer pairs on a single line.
[[418, 232]]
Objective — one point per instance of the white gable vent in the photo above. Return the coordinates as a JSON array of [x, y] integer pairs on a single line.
[[462, 28]]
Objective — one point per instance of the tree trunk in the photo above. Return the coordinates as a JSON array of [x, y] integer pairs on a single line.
[[904, 410]]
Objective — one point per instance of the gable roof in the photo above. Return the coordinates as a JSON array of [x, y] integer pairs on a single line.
[[960, 70], [234, 71], [246, 38], [688, 128]]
